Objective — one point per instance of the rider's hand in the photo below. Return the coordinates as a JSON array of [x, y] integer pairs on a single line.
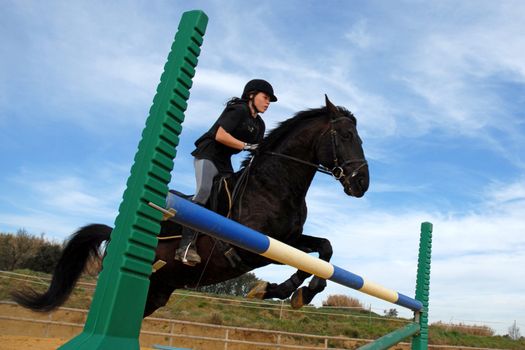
[[250, 147]]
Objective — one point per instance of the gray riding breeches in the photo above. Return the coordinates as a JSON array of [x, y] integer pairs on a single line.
[[205, 171]]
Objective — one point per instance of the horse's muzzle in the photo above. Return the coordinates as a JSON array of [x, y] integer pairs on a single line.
[[356, 186]]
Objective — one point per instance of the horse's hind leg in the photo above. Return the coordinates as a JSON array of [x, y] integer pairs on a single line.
[[158, 296], [305, 295]]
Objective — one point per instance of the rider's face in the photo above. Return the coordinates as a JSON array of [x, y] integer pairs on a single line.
[[261, 101]]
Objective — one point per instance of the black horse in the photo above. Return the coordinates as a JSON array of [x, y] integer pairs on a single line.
[[269, 197]]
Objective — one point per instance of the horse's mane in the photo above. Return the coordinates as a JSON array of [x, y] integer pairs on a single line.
[[274, 137]]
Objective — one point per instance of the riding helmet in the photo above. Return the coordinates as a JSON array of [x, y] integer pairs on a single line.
[[259, 85]]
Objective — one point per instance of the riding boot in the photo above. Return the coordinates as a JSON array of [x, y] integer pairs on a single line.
[[186, 251]]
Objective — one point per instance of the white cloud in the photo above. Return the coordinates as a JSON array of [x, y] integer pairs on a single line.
[[57, 204], [71, 195], [452, 69], [359, 36], [502, 193], [55, 227], [228, 84], [87, 59]]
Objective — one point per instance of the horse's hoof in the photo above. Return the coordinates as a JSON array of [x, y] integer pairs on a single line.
[[258, 291], [297, 299]]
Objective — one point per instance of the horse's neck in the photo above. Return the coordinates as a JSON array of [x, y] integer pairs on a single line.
[[290, 176]]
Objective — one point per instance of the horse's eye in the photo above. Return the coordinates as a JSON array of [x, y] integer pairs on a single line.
[[346, 135]]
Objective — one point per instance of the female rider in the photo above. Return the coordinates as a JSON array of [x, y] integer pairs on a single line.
[[239, 127]]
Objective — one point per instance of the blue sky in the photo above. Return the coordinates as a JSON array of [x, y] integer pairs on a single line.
[[438, 89]]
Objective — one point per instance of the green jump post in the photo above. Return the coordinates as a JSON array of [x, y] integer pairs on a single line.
[[391, 339], [418, 329], [115, 317], [420, 341]]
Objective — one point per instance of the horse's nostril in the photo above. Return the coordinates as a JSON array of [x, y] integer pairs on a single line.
[[363, 183]]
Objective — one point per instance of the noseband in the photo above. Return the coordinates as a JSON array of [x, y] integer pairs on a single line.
[[338, 170]]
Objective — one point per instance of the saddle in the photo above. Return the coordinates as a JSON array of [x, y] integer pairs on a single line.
[[221, 201]]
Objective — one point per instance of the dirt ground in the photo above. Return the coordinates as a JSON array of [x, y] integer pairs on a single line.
[[20, 328], [44, 334], [50, 330], [16, 342]]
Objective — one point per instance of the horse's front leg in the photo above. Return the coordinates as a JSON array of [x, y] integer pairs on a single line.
[[265, 290], [284, 290], [304, 295]]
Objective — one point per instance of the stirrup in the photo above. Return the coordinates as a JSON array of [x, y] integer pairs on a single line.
[[183, 254]]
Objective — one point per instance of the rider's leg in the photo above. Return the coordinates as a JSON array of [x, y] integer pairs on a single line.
[[205, 171]]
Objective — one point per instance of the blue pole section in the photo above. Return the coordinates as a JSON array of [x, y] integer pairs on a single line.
[[213, 224]]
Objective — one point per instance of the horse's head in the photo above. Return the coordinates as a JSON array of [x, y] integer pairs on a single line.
[[340, 149]]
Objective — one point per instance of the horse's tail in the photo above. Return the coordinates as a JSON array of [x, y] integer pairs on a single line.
[[82, 245]]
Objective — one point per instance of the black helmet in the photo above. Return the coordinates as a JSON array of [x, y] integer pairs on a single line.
[[259, 85]]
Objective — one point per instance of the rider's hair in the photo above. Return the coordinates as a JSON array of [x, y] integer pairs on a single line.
[[236, 100]]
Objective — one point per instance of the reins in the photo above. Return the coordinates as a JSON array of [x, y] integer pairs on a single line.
[[320, 168], [337, 172]]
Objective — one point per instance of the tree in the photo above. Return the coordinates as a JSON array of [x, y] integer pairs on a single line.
[[239, 286], [16, 248], [339, 300], [390, 313], [22, 250], [514, 331]]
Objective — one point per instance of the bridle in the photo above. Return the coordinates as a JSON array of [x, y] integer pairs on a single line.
[[338, 170]]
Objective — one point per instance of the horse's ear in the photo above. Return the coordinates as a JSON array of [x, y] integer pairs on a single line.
[[330, 106]]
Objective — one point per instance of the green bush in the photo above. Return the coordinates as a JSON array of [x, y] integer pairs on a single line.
[[45, 259]]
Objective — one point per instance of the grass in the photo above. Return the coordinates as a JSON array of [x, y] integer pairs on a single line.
[[239, 312]]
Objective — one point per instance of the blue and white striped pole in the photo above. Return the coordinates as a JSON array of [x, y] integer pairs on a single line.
[[213, 224]]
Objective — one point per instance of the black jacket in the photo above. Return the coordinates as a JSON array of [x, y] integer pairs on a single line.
[[238, 122]]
